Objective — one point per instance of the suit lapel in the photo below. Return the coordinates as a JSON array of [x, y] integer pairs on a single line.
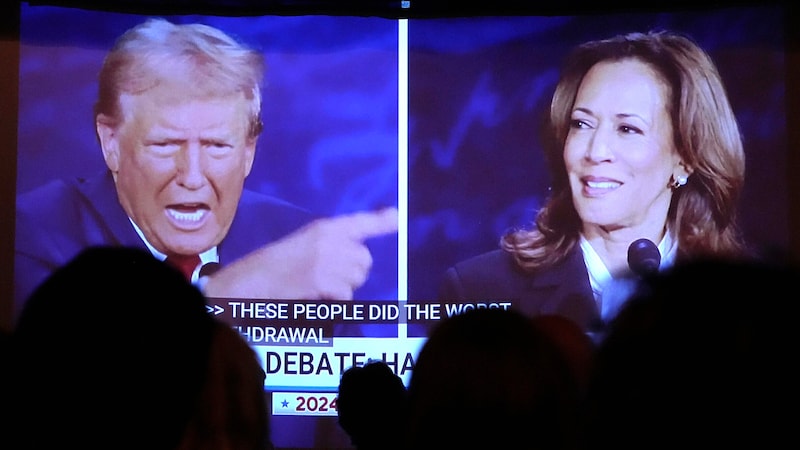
[[114, 226], [564, 289]]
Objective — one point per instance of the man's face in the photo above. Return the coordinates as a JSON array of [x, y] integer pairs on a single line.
[[179, 165]]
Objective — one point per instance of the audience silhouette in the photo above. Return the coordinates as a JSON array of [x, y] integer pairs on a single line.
[[574, 343], [701, 357], [232, 412], [492, 378], [5, 385], [372, 406], [116, 350]]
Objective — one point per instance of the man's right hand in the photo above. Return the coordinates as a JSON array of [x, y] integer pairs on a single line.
[[324, 260]]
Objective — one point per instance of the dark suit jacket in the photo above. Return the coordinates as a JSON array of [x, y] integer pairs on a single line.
[[563, 289], [58, 220]]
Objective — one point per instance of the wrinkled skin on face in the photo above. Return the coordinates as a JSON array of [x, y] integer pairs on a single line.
[[179, 163]]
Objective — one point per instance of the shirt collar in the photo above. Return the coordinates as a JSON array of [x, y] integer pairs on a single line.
[[207, 256], [599, 276]]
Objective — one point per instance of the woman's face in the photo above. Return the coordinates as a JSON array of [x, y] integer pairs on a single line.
[[619, 152]]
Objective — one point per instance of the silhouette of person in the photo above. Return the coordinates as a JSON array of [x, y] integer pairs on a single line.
[[115, 349], [232, 410], [576, 346], [491, 378], [702, 355], [372, 406]]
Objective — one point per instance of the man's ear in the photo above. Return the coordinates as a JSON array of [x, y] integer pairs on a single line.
[[249, 155], [107, 133]]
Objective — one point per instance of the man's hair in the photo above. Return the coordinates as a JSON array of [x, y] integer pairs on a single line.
[[204, 59]]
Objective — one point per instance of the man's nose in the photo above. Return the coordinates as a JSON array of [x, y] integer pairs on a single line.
[[191, 166]]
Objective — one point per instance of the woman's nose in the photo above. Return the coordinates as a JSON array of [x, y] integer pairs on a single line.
[[599, 148]]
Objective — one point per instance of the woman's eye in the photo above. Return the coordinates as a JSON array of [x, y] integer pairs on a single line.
[[578, 123], [629, 129]]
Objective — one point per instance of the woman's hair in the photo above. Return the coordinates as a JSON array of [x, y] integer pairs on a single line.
[[204, 59], [702, 214]]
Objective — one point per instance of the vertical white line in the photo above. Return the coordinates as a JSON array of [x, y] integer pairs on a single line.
[[402, 166]]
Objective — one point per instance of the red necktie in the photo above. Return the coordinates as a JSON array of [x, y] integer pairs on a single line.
[[185, 263]]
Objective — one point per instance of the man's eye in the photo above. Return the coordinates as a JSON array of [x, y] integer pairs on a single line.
[[164, 147], [218, 148]]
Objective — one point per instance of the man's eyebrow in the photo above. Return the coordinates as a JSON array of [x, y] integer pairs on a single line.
[[215, 140], [163, 138], [220, 135]]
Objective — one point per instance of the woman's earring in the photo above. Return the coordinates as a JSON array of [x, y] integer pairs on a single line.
[[680, 180]]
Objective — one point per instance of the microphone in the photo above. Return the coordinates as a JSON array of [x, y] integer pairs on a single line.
[[643, 257]]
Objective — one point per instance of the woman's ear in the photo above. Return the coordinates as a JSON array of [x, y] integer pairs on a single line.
[[687, 169], [680, 176]]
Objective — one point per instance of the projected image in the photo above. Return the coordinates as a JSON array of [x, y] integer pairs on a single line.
[[261, 149], [657, 146], [331, 196]]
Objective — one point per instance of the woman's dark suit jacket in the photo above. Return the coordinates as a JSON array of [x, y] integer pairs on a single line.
[[563, 289]]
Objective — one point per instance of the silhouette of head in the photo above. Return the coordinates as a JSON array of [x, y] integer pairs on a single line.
[[490, 378], [109, 352], [371, 406]]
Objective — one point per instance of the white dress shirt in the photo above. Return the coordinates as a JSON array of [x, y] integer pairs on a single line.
[[611, 293], [207, 256]]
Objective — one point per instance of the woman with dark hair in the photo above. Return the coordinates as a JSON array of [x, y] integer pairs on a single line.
[[642, 144]]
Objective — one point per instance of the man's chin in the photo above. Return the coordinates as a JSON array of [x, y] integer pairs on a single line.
[[189, 246]]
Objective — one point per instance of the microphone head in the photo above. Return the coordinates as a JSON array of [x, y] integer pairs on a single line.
[[643, 257]]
